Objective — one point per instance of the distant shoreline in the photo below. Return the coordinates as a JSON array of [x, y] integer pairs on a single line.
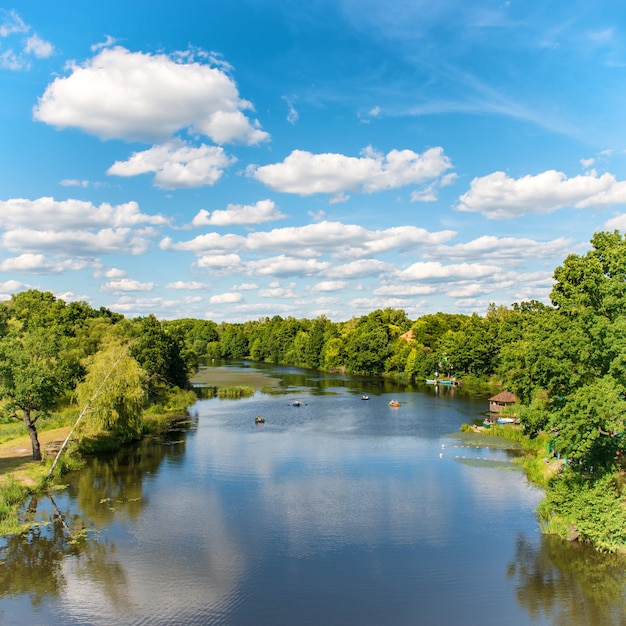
[[230, 377]]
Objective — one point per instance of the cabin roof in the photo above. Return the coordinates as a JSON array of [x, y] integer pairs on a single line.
[[504, 396]]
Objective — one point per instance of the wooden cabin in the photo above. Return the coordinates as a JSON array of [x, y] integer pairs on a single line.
[[501, 400]]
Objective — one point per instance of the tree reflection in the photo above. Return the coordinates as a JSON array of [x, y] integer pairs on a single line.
[[112, 485], [33, 562], [570, 584], [63, 545]]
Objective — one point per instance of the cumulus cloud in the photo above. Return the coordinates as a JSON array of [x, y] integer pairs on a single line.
[[329, 285], [361, 269], [75, 242], [48, 213], [226, 298], [126, 284], [286, 266], [257, 213], [221, 263], [278, 292], [119, 94], [205, 243], [176, 165], [436, 271], [191, 285], [12, 286], [511, 249], [306, 174], [75, 228], [344, 240], [498, 196], [31, 264]]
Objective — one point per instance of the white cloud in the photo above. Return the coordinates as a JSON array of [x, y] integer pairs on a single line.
[[405, 290], [292, 114], [223, 263], [138, 96], [497, 196], [513, 249], [111, 272], [343, 240], [191, 285], [107, 43], [12, 24], [436, 271], [75, 242], [329, 285], [39, 47], [226, 298], [176, 165], [306, 174], [13, 286], [257, 213], [31, 264], [126, 284], [286, 266], [616, 223], [278, 292], [48, 213], [361, 269], [208, 242]]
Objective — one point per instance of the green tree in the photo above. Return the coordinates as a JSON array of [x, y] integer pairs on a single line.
[[33, 375], [113, 389]]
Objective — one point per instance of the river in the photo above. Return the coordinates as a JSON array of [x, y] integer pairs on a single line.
[[338, 511]]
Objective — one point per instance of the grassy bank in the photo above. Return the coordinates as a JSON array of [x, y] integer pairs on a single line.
[[21, 477]]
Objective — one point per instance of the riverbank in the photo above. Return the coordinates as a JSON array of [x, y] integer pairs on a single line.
[[21, 476]]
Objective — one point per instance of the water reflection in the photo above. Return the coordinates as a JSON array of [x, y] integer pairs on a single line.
[[570, 584], [339, 511], [34, 563], [64, 543]]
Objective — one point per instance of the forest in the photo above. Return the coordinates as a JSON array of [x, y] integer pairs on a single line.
[[566, 362]]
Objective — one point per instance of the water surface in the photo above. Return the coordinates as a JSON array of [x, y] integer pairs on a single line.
[[339, 511]]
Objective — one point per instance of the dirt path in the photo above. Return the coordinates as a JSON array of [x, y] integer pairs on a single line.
[[16, 455]]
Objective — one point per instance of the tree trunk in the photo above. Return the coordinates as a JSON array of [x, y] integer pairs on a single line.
[[32, 433]]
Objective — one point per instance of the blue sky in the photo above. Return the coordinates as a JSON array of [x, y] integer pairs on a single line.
[[236, 160]]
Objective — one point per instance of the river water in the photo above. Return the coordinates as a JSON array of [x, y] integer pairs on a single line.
[[338, 511]]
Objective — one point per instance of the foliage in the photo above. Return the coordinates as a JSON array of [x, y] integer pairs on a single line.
[[114, 391], [594, 507], [161, 353], [33, 374]]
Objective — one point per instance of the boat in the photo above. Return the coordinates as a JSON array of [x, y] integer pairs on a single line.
[[453, 382], [365, 397], [297, 403], [259, 420], [506, 420], [394, 403]]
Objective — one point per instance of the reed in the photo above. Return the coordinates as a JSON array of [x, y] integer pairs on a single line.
[[231, 393]]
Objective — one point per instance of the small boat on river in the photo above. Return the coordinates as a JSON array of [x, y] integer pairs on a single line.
[[452, 382], [394, 403], [365, 397], [297, 403], [259, 420]]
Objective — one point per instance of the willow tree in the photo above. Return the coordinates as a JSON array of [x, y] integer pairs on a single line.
[[113, 393]]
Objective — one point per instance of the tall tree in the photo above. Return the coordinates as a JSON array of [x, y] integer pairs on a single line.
[[33, 374]]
